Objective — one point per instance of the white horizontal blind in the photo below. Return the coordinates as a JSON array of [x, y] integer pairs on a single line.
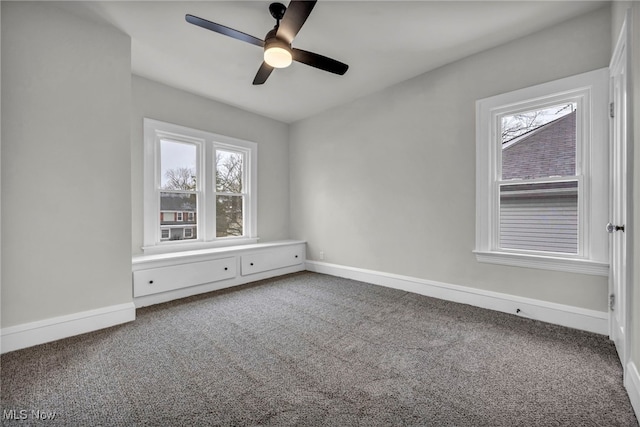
[[548, 223]]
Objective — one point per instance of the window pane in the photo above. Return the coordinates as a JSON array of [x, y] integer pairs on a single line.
[[178, 216], [229, 171], [540, 217], [539, 143], [229, 216], [177, 165]]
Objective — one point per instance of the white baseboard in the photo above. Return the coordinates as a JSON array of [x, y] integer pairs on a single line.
[[559, 314], [632, 384], [39, 332], [55, 328]]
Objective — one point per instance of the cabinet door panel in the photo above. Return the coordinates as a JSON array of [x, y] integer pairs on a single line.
[[154, 280], [273, 259]]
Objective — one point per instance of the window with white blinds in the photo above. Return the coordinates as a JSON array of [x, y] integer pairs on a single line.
[[541, 176]]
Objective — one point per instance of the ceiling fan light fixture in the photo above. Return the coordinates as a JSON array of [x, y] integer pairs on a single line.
[[277, 54]]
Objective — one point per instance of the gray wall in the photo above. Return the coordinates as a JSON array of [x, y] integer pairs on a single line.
[[66, 191], [388, 182], [157, 101]]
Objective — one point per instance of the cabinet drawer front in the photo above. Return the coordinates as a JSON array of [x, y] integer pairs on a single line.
[[154, 280], [272, 259]]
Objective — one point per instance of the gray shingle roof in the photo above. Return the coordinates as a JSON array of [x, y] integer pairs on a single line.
[[549, 150], [177, 202]]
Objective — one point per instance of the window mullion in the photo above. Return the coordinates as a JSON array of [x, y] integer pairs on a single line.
[[208, 189], [157, 233]]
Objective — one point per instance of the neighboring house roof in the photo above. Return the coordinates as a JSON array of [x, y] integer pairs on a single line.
[[549, 150], [177, 202]]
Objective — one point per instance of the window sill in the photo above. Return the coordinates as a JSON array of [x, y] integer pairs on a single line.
[[568, 265], [180, 257], [183, 246]]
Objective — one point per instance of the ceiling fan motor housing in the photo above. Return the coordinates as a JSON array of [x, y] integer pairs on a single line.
[[277, 52]]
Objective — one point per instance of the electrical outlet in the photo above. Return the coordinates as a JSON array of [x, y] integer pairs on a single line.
[[321, 255]]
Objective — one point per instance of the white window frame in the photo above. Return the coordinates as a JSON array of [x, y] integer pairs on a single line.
[[236, 150], [168, 232], [206, 143], [590, 91], [185, 230]]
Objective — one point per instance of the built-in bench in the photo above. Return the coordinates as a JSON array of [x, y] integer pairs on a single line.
[[163, 277]]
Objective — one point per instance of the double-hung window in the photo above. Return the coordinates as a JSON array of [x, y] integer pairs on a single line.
[[542, 176], [199, 189]]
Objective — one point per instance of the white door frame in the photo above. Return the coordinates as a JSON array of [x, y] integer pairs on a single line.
[[621, 157]]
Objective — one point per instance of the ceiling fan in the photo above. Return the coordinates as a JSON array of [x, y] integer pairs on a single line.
[[278, 52]]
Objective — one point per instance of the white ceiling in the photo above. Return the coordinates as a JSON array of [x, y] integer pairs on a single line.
[[384, 42]]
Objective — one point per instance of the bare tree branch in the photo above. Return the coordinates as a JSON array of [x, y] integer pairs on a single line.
[[182, 178], [518, 124], [229, 208]]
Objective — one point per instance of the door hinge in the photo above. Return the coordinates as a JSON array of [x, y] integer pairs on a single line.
[[612, 301], [611, 110]]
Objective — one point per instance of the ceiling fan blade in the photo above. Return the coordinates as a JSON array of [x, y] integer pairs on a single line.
[[297, 13], [224, 30], [319, 61], [263, 74]]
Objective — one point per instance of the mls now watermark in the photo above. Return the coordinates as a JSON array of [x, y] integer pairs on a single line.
[[24, 414]]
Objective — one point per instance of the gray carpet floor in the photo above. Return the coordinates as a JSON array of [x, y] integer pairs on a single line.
[[310, 349]]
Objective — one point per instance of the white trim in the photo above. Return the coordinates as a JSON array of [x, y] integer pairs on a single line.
[[632, 384], [589, 90], [190, 245], [621, 192], [207, 143], [568, 265], [55, 328], [559, 314], [166, 259]]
